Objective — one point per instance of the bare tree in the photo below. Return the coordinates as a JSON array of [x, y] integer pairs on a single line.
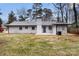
[[66, 11], [60, 7], [22, 14], [75, 14], [22, 11]]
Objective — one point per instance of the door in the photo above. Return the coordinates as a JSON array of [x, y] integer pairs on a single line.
[[59, 33], [44, 29]]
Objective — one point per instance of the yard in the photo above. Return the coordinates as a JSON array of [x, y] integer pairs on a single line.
[[37, 45]]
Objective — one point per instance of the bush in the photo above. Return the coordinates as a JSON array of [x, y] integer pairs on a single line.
[[1, 29]]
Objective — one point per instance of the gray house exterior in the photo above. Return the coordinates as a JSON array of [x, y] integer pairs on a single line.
[[38, 27]]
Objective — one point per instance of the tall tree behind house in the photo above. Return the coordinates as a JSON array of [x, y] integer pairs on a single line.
[[22, 14], [37, 10], [45, 13], [29, 14], [11, 17], [1, 29], [0, 19], [21, 18], [66, 12], [75, 14], [60, 7], [1, 22], [70, 13], [78, 13]]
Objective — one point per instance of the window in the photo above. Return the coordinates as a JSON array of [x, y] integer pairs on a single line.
[[63, 28], [50, 27], [33, 28], [26, 27], [44, 29], [20, 28]]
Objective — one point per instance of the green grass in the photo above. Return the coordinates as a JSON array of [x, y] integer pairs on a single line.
[[38, 45]]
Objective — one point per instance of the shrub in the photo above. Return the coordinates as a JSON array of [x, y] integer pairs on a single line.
[[1, 29]]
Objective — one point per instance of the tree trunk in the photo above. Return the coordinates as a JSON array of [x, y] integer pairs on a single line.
[[61, 12], [66, 16], [75, 14], [62, 15]]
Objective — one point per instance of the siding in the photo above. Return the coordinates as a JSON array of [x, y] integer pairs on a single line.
[[29, 30], [17, 30], [62, 28]]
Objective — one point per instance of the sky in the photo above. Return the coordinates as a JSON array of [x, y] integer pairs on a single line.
[[6, 8]]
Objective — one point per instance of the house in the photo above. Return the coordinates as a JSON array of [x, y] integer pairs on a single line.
[[38, 27]]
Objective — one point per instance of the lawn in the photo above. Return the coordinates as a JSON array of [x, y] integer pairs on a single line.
[[38, 45]]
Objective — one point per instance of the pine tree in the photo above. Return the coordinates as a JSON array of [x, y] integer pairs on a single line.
[[11, 17], [37, 10], [21, 18], [22, 14], [0, 21], [1, 29]]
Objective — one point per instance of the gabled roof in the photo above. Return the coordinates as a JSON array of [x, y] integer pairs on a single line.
[[23, 23], [53, 23], [34, 23]]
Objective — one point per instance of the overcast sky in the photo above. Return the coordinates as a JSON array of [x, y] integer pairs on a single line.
[[5, 8]]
